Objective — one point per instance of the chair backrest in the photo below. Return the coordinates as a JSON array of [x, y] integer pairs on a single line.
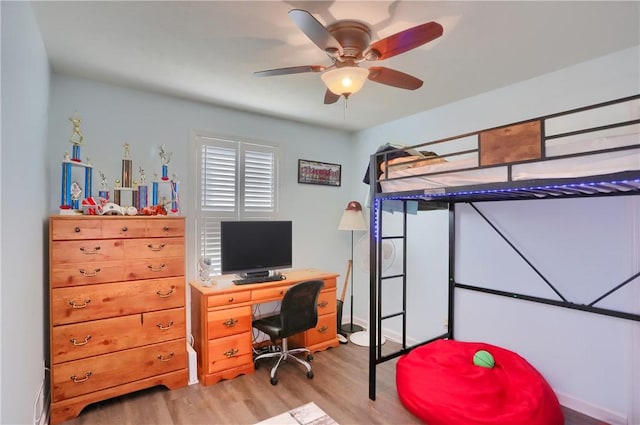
[[299, 309]]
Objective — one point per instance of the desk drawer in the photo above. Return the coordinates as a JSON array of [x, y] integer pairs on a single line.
[[229, 321], [228, 299], [268, 294], [229, 352], [326, 302], [324, 331]]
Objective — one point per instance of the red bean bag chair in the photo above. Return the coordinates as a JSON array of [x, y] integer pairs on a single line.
[[440, 384]]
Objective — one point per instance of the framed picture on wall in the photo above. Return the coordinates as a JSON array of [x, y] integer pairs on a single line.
[[314, 172]]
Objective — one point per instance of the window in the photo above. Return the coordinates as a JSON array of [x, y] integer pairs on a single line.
[[236, 181]]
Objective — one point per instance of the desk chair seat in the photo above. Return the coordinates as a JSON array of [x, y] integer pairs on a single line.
[[298, 313]]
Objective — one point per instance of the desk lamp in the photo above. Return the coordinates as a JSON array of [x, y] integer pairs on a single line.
[[352, 220]]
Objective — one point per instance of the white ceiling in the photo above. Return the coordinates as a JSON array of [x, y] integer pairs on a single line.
[[208, 50]]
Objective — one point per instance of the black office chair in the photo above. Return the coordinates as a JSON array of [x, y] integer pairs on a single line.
[[298, 312]]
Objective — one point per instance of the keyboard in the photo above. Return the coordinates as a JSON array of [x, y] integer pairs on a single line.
[[259, 279]]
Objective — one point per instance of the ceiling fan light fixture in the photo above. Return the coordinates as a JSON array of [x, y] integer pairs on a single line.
[[345, 80]]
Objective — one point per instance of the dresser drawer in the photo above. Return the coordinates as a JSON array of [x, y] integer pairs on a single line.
[[114, 228], [162, 227], [92, 302], [229, 321], [87, 273], [84, 376], [326, 302], [90, 250], [228, 299], [229, 352], [79, 340], [73, 229], [154, 248], [154, 267]]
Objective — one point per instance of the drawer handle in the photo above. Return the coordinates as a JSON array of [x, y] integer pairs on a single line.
[[156, 269], [231, 352], [164, 294], [155, 248], [230, 299], [165, 358], [73, 304], [77, 380], [164, 328], [78, 344], [89, 252], [165, 228], [86, 273], [230, 322], [323, 304], [323, 329], [77, 230], [125, 228]]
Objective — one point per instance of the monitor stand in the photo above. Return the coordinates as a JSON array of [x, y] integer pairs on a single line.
[[264, 273]]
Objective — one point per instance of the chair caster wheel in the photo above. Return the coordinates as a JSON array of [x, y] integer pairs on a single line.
[[274, 381], [310, 374], [309, 358]]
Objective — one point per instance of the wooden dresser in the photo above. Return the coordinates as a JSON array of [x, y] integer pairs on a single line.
[[221, 322], [117, 308]]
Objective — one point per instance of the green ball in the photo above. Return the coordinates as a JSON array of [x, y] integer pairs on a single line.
[[483, 358]]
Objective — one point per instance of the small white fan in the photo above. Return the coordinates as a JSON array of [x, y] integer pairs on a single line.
[[388, 256], [388, 253], [205, 270]]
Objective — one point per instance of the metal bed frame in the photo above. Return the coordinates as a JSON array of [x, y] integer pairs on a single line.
[[625, 183]]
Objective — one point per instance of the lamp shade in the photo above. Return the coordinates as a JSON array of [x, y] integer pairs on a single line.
[[346, 80], [352, 218]]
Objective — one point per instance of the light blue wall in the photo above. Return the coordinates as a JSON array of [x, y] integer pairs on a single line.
[[554, 340], [24, 208]]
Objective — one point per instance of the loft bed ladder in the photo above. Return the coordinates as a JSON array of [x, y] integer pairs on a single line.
[[378, 279]]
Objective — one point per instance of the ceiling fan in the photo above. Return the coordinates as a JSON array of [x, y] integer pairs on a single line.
[[348, 43]]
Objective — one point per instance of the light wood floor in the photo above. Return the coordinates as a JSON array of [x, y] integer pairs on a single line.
[[340, 387]]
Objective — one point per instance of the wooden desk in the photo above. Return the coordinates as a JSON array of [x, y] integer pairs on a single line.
[[221, 322]]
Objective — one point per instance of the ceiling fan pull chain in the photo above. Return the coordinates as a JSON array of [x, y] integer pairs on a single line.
[[344, 109]]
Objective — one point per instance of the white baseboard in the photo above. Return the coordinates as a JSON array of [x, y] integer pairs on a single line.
[[589, 409]]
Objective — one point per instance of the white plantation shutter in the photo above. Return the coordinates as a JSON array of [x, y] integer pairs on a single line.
[[259, 180], [237, 181]]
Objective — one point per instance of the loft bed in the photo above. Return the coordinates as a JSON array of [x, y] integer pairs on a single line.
[[592, 151]]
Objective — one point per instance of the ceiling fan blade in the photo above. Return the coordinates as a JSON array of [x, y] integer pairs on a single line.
[[394, 78], [404, 41], [290, 70], [330, 97], [316, 32]]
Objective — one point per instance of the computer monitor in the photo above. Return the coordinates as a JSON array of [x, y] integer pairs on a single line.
[[254, 248]]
